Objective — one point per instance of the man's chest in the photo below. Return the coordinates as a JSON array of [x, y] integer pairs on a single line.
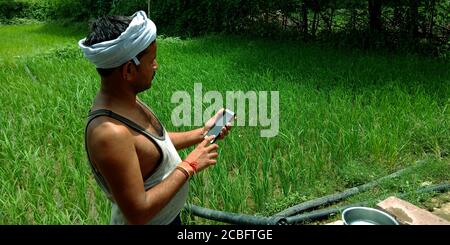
[[148, 153]]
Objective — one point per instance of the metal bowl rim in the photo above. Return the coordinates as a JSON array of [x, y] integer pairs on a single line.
[[368, 209]]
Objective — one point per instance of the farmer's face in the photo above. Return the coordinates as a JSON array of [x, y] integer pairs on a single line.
[[147, 68]]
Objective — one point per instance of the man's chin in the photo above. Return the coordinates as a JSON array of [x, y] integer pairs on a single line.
[[147, 87], [142, 89]]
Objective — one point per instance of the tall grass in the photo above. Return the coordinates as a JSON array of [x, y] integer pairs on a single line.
[[28, 40], [346, 117]]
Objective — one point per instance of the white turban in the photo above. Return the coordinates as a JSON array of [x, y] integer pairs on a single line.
[[136, 38]]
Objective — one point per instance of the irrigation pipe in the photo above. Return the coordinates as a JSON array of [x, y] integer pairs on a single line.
[[233, 218], [243, 219], [318, 214], [339, 196]]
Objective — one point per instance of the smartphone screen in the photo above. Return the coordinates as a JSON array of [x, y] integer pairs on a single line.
[[226, 117]]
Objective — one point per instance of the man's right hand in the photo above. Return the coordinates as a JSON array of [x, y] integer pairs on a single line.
[[204, 154]]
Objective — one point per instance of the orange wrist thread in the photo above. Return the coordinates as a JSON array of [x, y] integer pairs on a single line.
[[194, 165], [184, 171]]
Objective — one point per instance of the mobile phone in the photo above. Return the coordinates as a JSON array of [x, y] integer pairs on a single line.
[[224, 118]]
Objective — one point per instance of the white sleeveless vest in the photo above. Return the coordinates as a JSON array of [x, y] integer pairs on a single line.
[[170, 159]]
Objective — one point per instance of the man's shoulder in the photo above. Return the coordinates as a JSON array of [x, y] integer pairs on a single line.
[[106, 130]]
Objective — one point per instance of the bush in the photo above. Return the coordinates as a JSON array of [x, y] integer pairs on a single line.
[[126, 7], [343, 23], [12, 8], [44, 10], [40, 9]]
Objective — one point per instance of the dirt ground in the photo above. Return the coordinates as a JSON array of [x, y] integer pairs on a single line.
[[440, 205]]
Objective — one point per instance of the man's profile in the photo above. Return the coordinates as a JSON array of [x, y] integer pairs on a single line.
[[133, 158]]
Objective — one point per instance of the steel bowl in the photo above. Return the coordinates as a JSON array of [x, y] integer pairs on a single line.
[[367, 216]]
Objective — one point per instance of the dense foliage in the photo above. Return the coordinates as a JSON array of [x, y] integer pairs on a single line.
[[422, 25]]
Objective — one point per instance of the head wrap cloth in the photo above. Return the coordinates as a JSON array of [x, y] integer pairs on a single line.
[[136, 38]]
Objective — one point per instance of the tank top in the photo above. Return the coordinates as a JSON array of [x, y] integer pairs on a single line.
[[167, 164]]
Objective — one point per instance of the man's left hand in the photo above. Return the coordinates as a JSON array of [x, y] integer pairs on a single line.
[[210, 123]]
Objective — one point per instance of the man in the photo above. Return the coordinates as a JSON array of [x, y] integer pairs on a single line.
[[133, 158]]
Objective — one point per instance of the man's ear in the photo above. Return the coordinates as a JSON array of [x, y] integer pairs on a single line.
[[129, 72]]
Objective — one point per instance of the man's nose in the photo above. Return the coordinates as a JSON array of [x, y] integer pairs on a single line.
[[155, 65]]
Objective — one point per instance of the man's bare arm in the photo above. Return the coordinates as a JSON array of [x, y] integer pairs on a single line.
[[183, 140], [115, 156]]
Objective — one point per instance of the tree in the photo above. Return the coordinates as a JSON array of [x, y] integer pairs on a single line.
[[374, 16], [413, 18]]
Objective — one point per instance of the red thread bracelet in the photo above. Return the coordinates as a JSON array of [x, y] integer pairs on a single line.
[[193, 165]]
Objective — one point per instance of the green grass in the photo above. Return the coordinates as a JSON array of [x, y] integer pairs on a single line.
[[28, 40], [346, 117]]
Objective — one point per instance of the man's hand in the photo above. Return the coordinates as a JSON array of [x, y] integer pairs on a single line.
[[204, 154], [210, 123]]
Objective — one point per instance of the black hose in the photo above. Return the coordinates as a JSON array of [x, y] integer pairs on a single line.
[[233, 218], [437, 188], [319, 214], [243, 219], [322, 213], [339, 196], [277, 219]]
